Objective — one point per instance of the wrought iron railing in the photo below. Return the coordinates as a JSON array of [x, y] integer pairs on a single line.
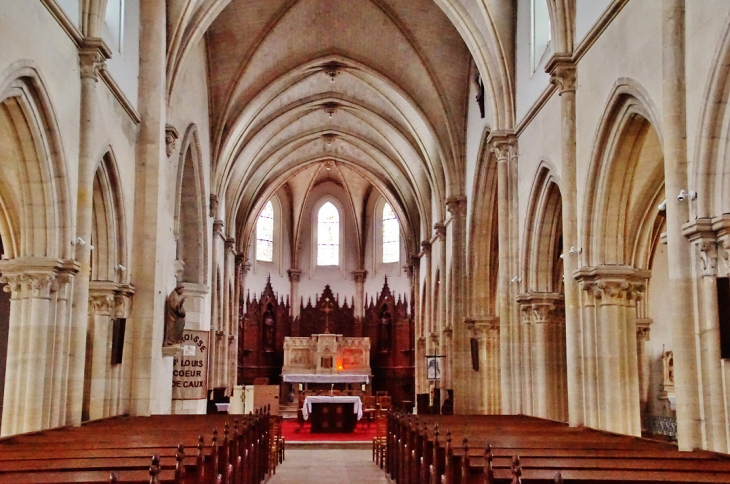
[[661, 425]]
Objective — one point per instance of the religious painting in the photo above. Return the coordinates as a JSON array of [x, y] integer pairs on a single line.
[[433, 372]]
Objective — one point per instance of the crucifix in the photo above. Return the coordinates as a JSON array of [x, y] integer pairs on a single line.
[[327, 307]]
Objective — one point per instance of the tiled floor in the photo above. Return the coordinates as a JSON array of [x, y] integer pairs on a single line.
[[328, 466]]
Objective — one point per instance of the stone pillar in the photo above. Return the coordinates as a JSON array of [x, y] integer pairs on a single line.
[[615, 290], [420, 365], [360, 276], [64, 290], [427, 316], [643, 332], [501, 147], [440, 310], [526, 350], [462, 375], [704, 242], [295, 276], [92, 56], [146, 324], [31, 340], [231, 316], [562, 72], [678, 250], [101, 308], [589, 356]]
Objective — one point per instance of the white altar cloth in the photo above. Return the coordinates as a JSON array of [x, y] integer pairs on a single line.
[[308, 401], [323, 378]]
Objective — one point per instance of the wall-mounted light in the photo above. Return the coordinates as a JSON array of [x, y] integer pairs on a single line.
[[80, 241], [121, 268], [683, 195], [516, 279], [663, 206]]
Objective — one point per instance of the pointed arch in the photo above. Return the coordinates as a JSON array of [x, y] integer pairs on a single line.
[[36, 207], [190, 224], [543, 241], [619, 186], [711, 174], [109, 259]]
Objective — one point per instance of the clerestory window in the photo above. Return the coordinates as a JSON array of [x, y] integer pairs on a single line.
[[391, 235], [265, 234], [328, 235]]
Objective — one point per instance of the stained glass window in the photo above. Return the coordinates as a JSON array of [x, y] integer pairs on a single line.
[[265, 234], [328, 236], [391, 235]]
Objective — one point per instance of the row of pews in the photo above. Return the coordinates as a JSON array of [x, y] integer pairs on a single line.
[[501, 449], [161, 449]]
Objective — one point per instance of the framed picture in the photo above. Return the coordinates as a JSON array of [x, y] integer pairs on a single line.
[[433, 372]]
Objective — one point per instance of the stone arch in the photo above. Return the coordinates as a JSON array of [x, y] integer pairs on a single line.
[[625, 173], [36, 216], [108, 224], [483, 254], [543, 245], [711, 174], [190, 210]]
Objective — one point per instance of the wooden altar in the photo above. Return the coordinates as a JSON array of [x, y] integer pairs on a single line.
[[265, 321]]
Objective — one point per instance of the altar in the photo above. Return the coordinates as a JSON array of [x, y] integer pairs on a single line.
[[332, 413], [326, 358]]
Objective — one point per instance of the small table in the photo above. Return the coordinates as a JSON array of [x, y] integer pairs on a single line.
[[332, 414]]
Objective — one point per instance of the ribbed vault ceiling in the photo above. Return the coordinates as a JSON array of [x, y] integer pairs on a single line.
[[394, 115]]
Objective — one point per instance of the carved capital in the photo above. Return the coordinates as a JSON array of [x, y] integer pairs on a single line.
[[295, 275], [562, 73], [217, 228], [439, 230], [456, 206], [13, 285], [230, 245], [93, 54], [213, 205], [643, 330], [360, 276], [502, 144], [102, 304], [541, 307], [620, 285], [708, 257], [426, 246], [40, 284], [171, 137]]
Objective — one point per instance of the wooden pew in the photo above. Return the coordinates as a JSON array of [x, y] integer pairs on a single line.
[[122, 446], [419, 453]]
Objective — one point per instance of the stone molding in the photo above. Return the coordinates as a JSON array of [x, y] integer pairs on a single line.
[[214, 201], [613, 284], [439, 230], [643, 329], [171, 137], [503, 144], [456, 206], [562, 70], [93, 54], [295, 275], [218, 228], [542, 307], [359, 275]]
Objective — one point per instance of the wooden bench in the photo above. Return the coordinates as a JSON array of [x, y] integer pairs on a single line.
[[119, 450], [505, 449]]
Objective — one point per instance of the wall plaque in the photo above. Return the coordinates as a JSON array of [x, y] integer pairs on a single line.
[[190, 370]]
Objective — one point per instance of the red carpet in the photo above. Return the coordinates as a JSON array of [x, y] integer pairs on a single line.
[[292, 433]]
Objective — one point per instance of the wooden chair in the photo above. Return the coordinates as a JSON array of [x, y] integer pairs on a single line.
[[385, 402], [380, 441], [369, 402], [277, 444]]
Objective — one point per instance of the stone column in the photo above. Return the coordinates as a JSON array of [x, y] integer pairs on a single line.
[[588, 351], [643, 332], [615, 290], [360, 276], [706, 250], [679, 294], [501, 147], [146, 324], [14, 363], [526, 350], [64, 289], [462, 375], [562, 72], [230, 316], [427, 316], [295, 276], [92, 56], [101, 307], [420, 366]]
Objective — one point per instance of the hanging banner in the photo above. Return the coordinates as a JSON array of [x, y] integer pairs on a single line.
[[190, 370]]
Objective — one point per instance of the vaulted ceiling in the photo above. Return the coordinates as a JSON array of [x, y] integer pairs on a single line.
[[379, 86]]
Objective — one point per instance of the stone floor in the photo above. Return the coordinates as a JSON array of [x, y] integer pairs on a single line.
[[328, 466]]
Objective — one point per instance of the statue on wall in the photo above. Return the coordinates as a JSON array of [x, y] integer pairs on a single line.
[[174, 317], [385, 329], [269, 329]]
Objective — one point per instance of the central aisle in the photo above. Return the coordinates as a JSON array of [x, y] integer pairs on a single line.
[[328, 466]]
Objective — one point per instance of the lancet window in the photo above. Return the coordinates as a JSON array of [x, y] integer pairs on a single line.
[[391, 235], [328, 235], [265, 234]]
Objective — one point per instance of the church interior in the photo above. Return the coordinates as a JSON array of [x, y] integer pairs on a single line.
[[473, 208]]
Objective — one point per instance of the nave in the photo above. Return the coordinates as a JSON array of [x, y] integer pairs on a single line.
[[347, 464]]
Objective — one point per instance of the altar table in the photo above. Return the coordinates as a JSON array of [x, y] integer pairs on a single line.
[[332, 414]]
